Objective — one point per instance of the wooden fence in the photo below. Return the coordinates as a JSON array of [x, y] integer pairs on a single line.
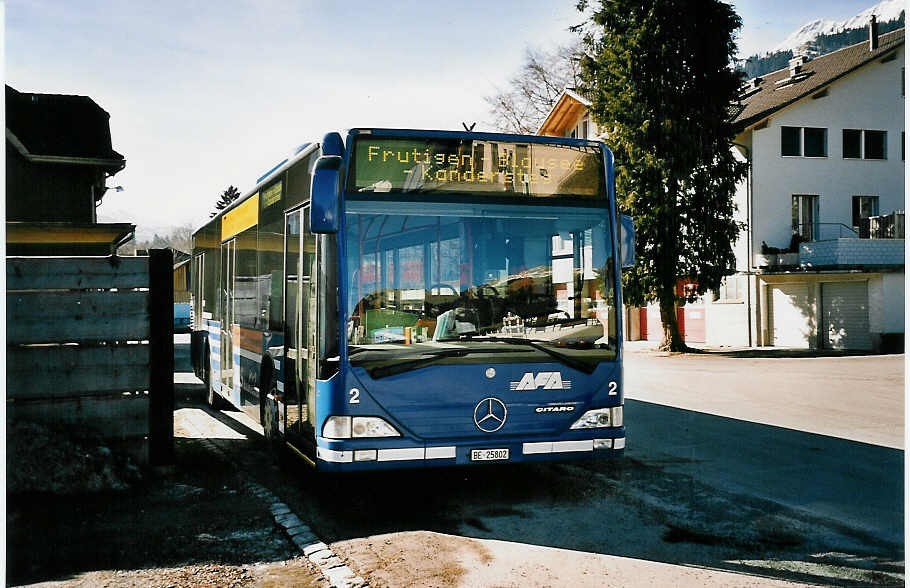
[[90, 347]]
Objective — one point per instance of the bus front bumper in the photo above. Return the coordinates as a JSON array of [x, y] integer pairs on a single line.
[[346, 456]]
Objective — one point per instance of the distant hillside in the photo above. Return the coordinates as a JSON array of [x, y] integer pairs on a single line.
[[825, 43]]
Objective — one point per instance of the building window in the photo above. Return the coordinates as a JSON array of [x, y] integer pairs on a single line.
[[584, 129], [863, 208], [803, 142], [853, 144], [815, 142], [790, 141], [874, 144], [804, 216], [865, 144]]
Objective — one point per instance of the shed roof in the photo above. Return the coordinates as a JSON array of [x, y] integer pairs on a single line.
[[58, 128]]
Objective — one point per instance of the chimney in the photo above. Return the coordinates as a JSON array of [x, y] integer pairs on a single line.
[[796, 64], [873, 33]]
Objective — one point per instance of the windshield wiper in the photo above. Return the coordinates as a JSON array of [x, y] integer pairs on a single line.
[[582, 366], [425, 358]]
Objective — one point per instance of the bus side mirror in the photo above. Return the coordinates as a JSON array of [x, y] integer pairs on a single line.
[[325, 195], [626, 240]]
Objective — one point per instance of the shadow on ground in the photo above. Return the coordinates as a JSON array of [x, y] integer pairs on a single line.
[[198, 512], [831, 509]]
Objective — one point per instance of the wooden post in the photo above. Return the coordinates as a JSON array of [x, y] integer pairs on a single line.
[[161, 352]]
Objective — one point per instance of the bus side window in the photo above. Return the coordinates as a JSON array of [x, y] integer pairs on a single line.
[[327, 272]]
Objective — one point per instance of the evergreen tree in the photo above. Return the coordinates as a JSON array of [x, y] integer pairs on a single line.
[[661, 83], [756, 66], [227, 197]]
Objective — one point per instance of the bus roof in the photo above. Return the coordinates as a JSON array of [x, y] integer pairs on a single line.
[[299, 153], [306, 148], [483, 136]]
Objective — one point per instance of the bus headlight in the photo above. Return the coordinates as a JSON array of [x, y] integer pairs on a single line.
[[346, 427], [373, 427], [337, 427], [599, 418]]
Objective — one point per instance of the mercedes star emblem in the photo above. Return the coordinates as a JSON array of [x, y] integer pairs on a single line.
[[490, 415]]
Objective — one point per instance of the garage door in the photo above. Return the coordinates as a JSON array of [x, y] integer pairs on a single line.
[[788, 315], [845, 315]]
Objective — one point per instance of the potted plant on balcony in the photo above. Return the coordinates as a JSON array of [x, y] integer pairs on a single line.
[[775, 256], [790, 256], [767, 257]]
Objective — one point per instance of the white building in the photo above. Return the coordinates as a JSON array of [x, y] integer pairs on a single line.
[[824, 140]]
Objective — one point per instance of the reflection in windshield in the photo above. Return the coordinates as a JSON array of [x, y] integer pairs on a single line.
[[418, 281]]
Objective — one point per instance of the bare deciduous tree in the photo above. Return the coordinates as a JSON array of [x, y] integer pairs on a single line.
[[532, 92], [179, 238]]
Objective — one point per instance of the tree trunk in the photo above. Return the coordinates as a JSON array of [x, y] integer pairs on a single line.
[[673, 340]]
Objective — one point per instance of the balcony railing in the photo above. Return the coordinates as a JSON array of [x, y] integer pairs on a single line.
[[887, 226], [823, 232]]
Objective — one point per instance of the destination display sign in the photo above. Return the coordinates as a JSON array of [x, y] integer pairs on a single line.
[[417, 165]]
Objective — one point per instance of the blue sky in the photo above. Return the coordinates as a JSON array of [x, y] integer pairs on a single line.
[[201, 98]]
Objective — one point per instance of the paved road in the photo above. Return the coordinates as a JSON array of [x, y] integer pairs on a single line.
[[697, 490], [859, 398], [856, 483]]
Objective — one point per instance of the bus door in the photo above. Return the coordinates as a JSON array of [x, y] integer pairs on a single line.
[[299, 336], [198, 302], [198, 326], [228, 258]]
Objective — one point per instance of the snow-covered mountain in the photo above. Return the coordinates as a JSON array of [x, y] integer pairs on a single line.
[[883, 11]]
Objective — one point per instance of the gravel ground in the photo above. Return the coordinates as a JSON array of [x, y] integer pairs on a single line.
[[296, 572], [101, 522]]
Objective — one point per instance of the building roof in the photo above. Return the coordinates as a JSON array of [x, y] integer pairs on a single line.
[[568, 107], [777, 90], [57, 128]]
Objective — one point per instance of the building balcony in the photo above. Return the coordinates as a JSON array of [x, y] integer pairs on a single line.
[[878, 244], [851, 253]]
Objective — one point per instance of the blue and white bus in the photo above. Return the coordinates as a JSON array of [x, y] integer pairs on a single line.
[[402, 298]]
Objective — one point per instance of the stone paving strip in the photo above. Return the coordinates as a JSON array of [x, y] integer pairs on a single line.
[[333, 568]]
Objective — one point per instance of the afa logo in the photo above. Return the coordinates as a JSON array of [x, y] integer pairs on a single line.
[[545, 380]]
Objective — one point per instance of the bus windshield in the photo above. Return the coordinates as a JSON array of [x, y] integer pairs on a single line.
[[454, 283]]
